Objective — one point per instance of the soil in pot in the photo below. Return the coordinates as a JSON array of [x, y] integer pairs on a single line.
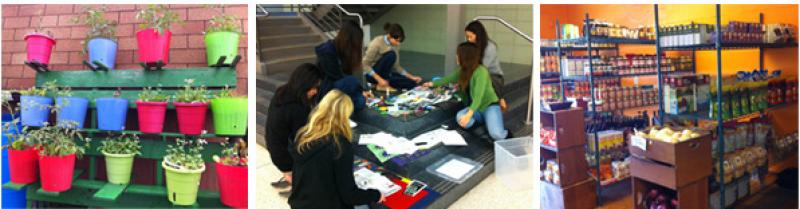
[[35, 110], [182, 185], [153, 46], [56, 172], [111, 113], [151, 116], [230, 116], [118, 167], [103, 50], [232, 185], [39, 47], [72, 109], [23, 165], [191, 117], [221, 43]]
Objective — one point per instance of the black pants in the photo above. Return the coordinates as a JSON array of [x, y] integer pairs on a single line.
[[384, 68]]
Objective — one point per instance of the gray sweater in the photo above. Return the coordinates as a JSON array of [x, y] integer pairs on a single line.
[[490, 59], [376, 48]]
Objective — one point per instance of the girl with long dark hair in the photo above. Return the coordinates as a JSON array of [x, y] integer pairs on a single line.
[[287, 112], [475, 33], [340, 59], [475, 85], [382, 60]]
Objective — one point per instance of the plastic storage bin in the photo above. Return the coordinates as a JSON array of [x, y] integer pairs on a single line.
[[513, 160]]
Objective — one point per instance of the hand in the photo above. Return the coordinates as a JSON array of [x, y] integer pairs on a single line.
[[464, 120], [414, 78], [383, 199], [427, 84], [367, 94], [503, 105], [288, 176], [382, 82]]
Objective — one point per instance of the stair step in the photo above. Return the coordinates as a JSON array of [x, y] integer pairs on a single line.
[[270, 83], [288, 66], [283, 30], [293, 39], [271, 60], [273, 21], [281, 52]]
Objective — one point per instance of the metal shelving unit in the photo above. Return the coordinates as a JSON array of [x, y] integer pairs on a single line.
[[718, 46]]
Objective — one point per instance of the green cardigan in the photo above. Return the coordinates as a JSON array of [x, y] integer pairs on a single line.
[[480, 88]]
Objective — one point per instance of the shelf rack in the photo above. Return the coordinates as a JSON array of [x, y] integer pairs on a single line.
[[717, 46]]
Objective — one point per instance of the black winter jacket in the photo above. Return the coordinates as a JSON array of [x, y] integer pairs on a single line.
[[285, 116]]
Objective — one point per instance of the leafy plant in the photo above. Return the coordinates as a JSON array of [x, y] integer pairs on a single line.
[[235, 155], [17, 139], [39, 28], [34, 91], [225, 92], [150, 95], [99, 26], [158, 17], [185, 154], [58, 141], [123, 144], [222, 22], [191, 94]]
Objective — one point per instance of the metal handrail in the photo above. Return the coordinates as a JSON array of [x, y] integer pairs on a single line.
[[348, 13], [258, 6], [528, 117]]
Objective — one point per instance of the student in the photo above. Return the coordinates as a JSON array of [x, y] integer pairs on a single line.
[[323, 165], [382, 59], [476, 34], [475, 86], [287, 112], [340, 59]]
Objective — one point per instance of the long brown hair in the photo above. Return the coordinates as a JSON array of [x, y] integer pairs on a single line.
[[348, 44], [329, 118], [481, 37], [469, 59]]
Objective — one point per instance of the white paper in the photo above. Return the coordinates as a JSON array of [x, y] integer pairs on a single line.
[[391, 144], [353, 124], [366, 179], [455, 169], [639, 142], [452, 138]]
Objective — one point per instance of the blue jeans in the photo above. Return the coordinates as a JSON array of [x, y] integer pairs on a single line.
[[383, 67], [352, 87], [493, 118]]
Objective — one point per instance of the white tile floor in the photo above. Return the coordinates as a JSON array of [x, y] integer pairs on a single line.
[[490, 193]]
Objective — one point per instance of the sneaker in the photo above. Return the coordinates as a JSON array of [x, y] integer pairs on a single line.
[[281, 183]]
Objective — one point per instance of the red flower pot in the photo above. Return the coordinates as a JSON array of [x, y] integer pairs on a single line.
[[39, 47], [232, 185], [23, 165], [191, 117], [153, 46], [151, 116], [56, 172]]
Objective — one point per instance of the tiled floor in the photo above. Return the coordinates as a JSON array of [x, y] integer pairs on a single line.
[[488, 194]]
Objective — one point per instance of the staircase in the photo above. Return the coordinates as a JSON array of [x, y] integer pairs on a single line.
[[284, 43]]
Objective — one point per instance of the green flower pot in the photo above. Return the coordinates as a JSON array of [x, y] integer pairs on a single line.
[[118, 167], [219, 44], [230, 115], [182, 185]]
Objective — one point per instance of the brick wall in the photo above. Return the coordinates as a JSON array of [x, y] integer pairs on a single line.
[[187, 47]]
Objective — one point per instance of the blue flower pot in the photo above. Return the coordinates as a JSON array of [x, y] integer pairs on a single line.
[[35, 110], [72, 109], [111, 113], [103, 50]]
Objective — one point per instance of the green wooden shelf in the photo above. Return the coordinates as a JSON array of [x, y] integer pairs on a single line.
[[14, 186]]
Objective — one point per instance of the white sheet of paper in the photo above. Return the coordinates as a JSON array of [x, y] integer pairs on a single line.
[[455, 168], [451, 138]]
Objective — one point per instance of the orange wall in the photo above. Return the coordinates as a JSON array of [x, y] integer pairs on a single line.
[[636, 15]]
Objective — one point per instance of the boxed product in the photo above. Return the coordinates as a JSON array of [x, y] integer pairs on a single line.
[[780, 33]]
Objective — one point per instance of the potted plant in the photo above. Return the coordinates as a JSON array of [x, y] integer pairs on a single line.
[[151, 107], [111, 112], [154, 38], [22, 154], [222, 38], [39, 44], [191, 104], [36, 105], [69, 108], [184, 166], [230, 113], [101, 41], [119, 153], [232, 174], [57, 152]]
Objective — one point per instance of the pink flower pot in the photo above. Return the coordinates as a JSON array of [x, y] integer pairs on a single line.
[[232, 185], [191, 117], [23, 165], [153, 46], [56, 172], [151, 116], [40, 46]]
